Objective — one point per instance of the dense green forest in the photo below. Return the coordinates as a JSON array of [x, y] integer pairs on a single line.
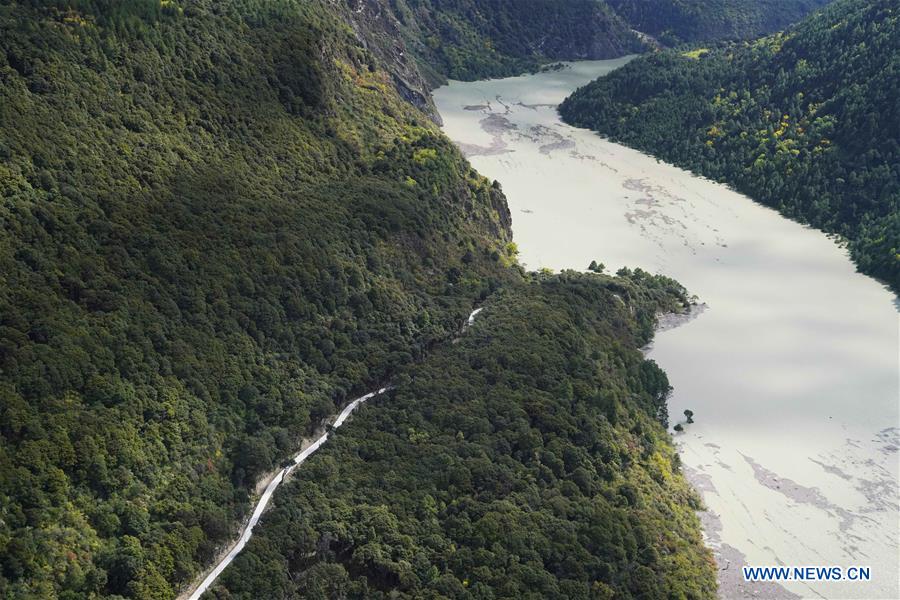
[[806, 121], [221, 219], [677, 21], [218, 222], [528, 460]]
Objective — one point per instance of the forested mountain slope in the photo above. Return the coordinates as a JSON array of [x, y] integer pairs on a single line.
[[221, 220], [474, 39], [525, 461], [806, 121], [218, 222], [676, 21]]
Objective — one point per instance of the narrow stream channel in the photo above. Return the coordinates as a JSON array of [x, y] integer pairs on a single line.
[[792, 369]]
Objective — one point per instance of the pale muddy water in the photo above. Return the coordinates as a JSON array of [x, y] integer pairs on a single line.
[[791, 369]]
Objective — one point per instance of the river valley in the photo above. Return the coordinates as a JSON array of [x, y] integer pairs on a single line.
[[791, 370]]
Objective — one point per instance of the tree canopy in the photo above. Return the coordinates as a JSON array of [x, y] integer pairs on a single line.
[[678, 21], [805, 121], [528, 460], [219, 222]]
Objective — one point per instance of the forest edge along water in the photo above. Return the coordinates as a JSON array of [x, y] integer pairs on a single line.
[[791, 369]]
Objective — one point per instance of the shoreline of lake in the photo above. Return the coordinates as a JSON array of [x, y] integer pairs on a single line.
[[790, 371]]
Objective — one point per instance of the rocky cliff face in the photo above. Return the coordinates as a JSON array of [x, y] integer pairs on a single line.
[[375, 24]]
